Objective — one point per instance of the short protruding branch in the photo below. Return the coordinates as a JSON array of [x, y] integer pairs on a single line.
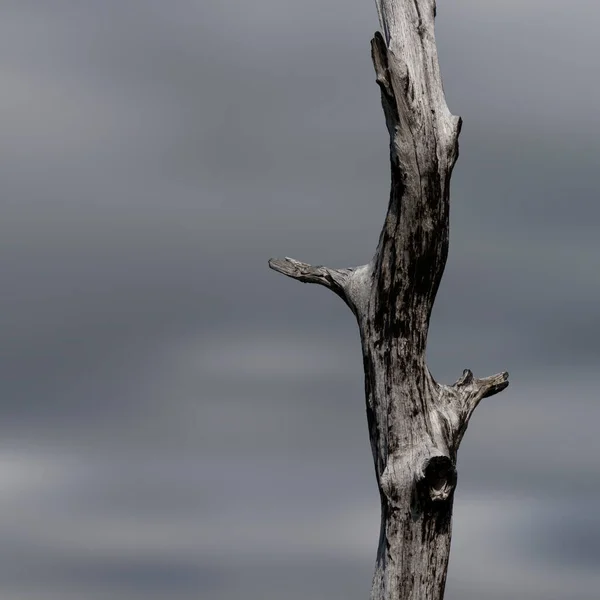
[[465, 379], [468, 393], [494, 384], [474, 390], [334, 279]]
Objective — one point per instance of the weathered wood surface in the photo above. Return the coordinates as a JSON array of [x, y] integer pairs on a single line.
[[415, 423]]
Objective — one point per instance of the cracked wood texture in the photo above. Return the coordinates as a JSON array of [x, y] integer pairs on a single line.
[[415, 424]]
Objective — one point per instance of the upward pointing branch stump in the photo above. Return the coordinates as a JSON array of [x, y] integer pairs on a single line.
[[415, 424]]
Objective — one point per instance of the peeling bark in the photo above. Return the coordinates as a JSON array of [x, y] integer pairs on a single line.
[[415, 424]]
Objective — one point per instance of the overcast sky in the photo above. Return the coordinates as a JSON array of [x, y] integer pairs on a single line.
[[179, 422]]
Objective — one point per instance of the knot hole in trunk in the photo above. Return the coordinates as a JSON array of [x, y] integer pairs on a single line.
[[438, 481]]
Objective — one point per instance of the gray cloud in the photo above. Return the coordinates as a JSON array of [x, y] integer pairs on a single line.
[[168, 403]]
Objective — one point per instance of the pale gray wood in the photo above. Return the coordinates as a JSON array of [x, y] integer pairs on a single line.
[[415, 424]]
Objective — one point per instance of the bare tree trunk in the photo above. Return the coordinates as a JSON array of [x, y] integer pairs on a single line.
[[415, 423]]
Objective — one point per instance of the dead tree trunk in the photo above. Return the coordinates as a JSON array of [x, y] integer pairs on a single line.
[[415, 424]]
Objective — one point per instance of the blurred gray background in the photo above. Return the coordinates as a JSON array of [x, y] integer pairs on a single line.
[[179, 422]]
